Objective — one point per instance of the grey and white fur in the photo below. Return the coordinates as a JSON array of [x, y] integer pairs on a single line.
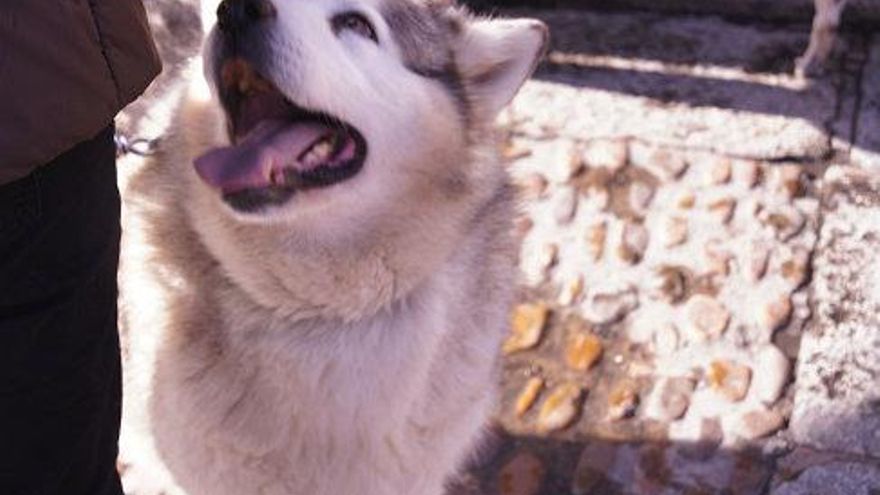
[[346, 340]]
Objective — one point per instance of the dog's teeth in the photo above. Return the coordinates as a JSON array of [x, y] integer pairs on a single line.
[[310, 158], [324, 148], [320, 152]]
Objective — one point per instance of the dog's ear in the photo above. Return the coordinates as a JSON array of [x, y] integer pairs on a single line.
[[495, 57]]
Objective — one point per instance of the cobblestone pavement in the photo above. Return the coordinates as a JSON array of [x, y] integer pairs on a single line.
[[697, 312], [676, 203]]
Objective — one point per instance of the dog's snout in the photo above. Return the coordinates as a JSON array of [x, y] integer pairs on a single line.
[[237, 15]]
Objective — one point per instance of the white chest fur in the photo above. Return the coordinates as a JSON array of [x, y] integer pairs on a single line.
[[388, 405]]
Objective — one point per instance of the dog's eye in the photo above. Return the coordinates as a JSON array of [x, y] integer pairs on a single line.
[[356, 22]]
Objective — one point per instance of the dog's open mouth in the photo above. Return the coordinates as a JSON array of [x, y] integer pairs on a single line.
[[278, 148]]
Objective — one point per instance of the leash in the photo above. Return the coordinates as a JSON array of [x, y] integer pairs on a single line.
[[137, 146]]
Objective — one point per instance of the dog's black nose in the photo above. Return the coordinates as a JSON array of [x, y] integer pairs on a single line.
[[237, 15]]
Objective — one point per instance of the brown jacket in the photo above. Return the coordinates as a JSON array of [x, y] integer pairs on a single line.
[[66, 68]]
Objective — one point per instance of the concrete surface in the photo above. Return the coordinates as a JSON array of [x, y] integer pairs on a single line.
[[834, 479], [837, 402], [859, 12], [696, 83]]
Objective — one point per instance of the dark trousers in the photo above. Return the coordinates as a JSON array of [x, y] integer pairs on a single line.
[[60, 383]]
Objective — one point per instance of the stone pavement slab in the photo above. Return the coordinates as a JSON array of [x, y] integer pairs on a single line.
[[699, 83], [667, 284], [834, 479], [837, 399]]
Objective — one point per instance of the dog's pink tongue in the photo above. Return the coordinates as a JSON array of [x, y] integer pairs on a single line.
[[270, 148]]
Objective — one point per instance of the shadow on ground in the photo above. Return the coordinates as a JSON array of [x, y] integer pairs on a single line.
[[534, 464], [705, 62]]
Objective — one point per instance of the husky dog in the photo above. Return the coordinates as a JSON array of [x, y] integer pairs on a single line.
[[318, 267], [823, 37]]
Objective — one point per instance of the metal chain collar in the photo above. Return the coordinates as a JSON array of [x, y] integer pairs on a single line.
[[137, 146]]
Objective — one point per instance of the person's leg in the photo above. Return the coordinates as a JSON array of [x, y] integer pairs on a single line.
[[60, 381]]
